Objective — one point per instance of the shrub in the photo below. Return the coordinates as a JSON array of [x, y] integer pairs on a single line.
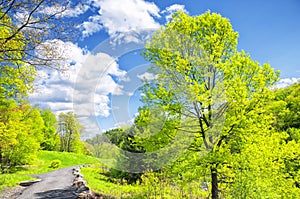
[[55, 164]]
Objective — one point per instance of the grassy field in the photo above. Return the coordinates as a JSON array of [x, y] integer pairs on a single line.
[[41, 165], [100, 183]]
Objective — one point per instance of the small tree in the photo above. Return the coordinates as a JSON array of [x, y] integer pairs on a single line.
[[69, 130], [51, 136]]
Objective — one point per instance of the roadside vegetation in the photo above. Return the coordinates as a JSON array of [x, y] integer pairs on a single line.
[[43, 164]]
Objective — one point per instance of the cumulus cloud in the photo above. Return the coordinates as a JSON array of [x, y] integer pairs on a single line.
[[87, 83], [286, 82], [120, 16], [59, 54], [173, 8], [91, 127]]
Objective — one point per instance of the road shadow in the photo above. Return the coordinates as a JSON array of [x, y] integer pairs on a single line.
[[68, 193]]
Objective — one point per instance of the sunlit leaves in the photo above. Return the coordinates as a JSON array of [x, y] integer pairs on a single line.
[[220, 91], [20, 133], [51, 138], [69, 131]]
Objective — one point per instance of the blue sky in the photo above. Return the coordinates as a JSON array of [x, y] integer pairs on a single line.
[[106, 80]]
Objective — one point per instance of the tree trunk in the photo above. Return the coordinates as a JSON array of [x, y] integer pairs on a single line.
[[70, 140], [214, 183]]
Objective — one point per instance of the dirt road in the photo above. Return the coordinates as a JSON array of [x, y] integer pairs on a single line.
[[55, 184]]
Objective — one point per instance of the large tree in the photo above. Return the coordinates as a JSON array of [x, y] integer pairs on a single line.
[[16, 76], [203, 79]]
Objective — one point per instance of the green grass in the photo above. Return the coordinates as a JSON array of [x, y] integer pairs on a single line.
[[99, 181], [101, 184], [67, 159], [41, 165]]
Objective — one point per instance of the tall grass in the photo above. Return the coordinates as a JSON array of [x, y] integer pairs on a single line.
[[100, 182]]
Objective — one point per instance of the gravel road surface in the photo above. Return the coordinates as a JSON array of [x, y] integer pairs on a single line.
[[55, 184]]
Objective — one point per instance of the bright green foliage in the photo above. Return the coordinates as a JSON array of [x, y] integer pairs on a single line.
[[286, 107], [97, 143], [51, 139], [203, 79], [15, 81], [201, 75], [16, 77], [115, 136], [286, 110], [69, 130], [153, 130], [256, 162], [20, 125], [36, 122], [11, 49], [20, 133]]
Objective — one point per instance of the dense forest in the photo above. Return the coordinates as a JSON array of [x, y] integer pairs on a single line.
[[213, 124]]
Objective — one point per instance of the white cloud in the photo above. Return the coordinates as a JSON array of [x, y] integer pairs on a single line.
[[173, 8], [65, 11], [146, 76], [125, 78], [119, 16], [108, 85], [90, 126], [91, 73], [89, 28], [76, 11], [130, 94], [286, 82]]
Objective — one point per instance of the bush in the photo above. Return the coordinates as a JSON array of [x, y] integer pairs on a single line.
[[55, 164]]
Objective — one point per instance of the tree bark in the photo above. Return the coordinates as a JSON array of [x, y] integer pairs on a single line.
[[214, 183]]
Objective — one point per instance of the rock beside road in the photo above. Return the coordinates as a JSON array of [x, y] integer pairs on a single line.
[[82, 190]]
